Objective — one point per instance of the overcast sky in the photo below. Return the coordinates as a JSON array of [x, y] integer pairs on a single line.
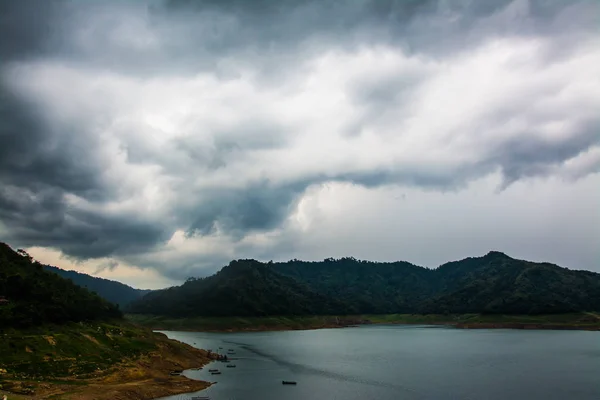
[[151, 141]]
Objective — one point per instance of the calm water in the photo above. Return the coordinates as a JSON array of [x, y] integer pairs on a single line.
[[399, 362]]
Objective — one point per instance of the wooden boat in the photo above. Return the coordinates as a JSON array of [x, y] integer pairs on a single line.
[[231, 366], [213, 370], [174, 373], [288, 382], [216, 373]]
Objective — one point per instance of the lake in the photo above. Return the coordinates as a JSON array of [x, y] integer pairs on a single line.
[[402, 362]]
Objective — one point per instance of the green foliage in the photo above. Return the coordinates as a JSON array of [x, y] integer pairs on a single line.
[[492, 284], [71, 350], [112, 291], [243, 288], [365, 286], [35, 296]]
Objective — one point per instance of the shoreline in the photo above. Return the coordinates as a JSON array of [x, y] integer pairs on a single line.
[[140, 378], [455, 325], [578, 321]]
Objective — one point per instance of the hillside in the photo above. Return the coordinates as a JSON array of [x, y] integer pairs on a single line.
[[494, 283], [95, 360], [370, 287], [498, 284], [32, 296], [243, 288], [112, 291], [60, 340]]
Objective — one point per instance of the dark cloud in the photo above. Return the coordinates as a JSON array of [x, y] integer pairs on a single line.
[[528, 156], [27, 29], [60, 187], [262, 206]]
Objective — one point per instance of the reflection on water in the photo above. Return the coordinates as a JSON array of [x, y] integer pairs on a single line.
[[401, 362]]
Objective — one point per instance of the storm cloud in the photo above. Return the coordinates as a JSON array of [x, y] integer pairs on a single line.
[[176, 135]]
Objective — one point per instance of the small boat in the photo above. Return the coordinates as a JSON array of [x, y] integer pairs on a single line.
[[200, 398], [213, 370], [288, 382], [231, 366], [216, 373], [174, 373]]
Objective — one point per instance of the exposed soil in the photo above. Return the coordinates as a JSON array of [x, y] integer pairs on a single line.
[[146, 377]]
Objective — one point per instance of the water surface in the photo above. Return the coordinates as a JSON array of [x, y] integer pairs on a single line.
[[402, 362]]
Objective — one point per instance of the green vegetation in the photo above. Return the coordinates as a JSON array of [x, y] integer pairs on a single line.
[[74, 350], [492, 284], [59, 340], [31, 296], [112, 291], [243, 288]]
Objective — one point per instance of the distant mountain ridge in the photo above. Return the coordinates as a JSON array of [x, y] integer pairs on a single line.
[[494, 283], [113, 291]]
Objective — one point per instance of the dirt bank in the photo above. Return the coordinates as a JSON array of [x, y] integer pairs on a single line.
[[143, 378]]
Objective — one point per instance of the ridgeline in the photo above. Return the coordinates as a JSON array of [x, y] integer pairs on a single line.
[[492, 284], [112, 291]]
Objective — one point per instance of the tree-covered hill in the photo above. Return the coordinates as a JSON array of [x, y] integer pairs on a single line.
[[370, 287], [32, 296], [494, 283], [243, 288], [497, 283], [113, 291]]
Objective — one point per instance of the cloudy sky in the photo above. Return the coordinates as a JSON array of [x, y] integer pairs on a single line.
[[151, 141]]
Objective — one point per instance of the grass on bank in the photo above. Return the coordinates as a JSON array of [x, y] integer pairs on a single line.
[[73, 350], [583, 320]]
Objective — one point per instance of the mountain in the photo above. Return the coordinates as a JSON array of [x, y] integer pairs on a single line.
[[497, 283], [494, 283], [113, 291], [370, 287], [32, 296], [243, 288]]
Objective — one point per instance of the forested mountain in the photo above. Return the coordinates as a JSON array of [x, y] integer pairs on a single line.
[[494, 283], [497, 283], [113, 291], [369, 287], [243, 288], [31, 296]]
